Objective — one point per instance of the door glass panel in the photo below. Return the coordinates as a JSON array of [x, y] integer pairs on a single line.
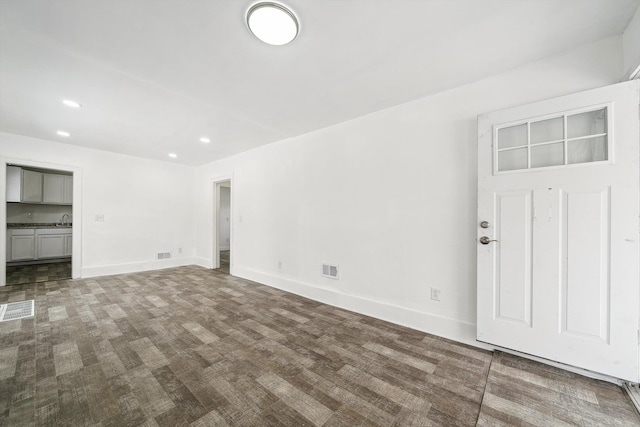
[[512, 159], [547, 130], [585, 124], [547, 155], [588, 150], [513, 136]]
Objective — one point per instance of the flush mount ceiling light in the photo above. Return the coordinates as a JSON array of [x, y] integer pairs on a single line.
[[272, 23], [63, 133], [205, 140], [70, 103], [173, 155]]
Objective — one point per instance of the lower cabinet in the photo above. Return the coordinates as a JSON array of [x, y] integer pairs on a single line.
[[40, 243], [21, 244]]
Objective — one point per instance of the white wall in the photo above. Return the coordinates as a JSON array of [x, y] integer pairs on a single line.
[[390, 197], [147, 204], [225, 218], [631, 45]]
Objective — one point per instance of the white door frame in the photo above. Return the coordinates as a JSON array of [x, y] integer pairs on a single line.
[[215, 258], [76, 213]]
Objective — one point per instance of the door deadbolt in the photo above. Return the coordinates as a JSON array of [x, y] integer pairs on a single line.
[[485, 240], [484, 224]]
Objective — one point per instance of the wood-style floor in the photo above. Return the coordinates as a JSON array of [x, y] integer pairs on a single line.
[[191, 346], [32, 273], [225, 257]]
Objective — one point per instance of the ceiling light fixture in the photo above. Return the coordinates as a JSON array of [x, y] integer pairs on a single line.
[[173, 155], [70, 103], [63, 133], [205, 140], [272, 23]]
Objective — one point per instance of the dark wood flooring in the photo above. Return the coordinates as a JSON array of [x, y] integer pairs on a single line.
[[32, 273], [191, 346], [225, 259]]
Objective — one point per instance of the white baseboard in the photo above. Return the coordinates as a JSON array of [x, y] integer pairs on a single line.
[[135, 267], [203, 262], [457, 330]]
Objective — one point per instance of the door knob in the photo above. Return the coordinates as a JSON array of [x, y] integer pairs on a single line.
[[485, 240]]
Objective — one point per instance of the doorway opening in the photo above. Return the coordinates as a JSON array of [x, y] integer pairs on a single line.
[[222, 223], [39, 209]]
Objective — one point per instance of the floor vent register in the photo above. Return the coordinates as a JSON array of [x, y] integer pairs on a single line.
[[16, 310]]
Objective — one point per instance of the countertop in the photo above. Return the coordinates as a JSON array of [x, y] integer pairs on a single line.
[[37, 225]]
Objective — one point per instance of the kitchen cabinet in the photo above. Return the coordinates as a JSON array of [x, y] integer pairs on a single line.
[[27, 186], [52, 188], [14, 183], [49, 243], [68, 244], [67, 195], [21, 244], [26, 244], [31, 186]]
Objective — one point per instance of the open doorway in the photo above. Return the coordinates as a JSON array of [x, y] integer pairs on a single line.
[[222, 246], [39, 208]]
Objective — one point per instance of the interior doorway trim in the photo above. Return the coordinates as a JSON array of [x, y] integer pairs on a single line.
[[76, 212], [215, 256]]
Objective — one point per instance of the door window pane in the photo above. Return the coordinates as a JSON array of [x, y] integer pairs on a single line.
[[547, 130], [569, 138], [585, 124], [587, 150], [512, 159], [513, 136], [547, 155]]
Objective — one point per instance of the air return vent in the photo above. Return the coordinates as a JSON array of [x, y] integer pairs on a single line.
[[330, 271], [164, 255], [16, 310]]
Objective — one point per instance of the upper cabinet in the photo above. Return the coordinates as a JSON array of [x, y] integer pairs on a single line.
[[14, 179], [67, 194], [29, 186], [53, 188]]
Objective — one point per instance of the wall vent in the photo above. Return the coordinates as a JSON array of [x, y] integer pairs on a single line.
[[164, 255], [330, 271]]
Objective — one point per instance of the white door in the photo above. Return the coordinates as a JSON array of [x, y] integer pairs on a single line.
[[558, 198]]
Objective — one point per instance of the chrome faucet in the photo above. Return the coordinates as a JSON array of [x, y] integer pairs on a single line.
[[62, 221]]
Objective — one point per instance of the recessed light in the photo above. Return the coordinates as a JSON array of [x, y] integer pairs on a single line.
[[70, 103], [173, 155], [205, 140], [272, 23], [63, 133]]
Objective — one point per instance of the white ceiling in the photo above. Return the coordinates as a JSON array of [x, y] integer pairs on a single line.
[[156, 75]]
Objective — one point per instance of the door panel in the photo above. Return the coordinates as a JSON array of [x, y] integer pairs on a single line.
[[584, 304], [513, 260], [560, 278]]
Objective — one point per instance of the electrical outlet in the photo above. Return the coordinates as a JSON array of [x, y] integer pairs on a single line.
[[179, 250], [435, 294]]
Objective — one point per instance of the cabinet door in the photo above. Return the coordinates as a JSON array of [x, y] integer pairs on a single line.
[[67, 197], [14, 177], [22, 248], [68, 244], [50, 246], [53, 188], [31, 186]]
